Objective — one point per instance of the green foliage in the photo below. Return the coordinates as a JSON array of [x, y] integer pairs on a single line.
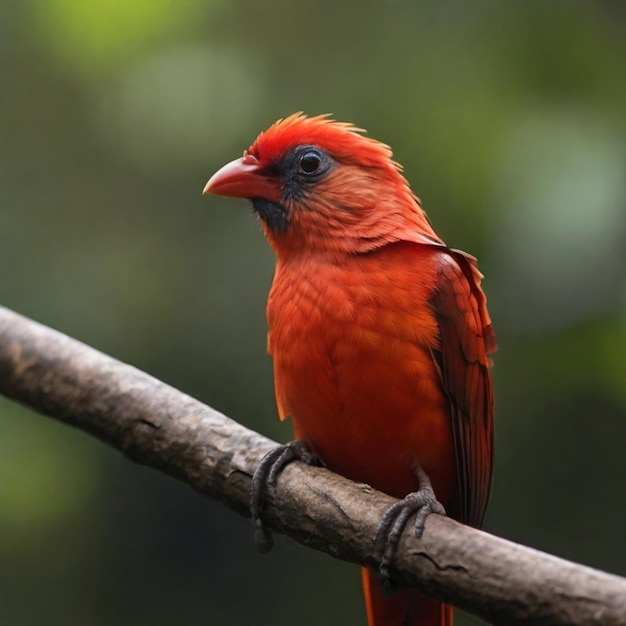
[[90, 37]]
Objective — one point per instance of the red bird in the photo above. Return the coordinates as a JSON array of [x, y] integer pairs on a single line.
[[379, 332]]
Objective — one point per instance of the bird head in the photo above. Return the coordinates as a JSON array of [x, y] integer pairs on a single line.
[[321, 186]]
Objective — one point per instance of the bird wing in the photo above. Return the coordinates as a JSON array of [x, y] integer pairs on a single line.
[[466, 340]]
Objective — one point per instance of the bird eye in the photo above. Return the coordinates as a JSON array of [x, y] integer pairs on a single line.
[[310, 163]]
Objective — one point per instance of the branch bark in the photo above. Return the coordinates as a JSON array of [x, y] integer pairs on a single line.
[[157, 425]]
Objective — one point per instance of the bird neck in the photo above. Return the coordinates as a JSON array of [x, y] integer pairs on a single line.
[[339, 230]]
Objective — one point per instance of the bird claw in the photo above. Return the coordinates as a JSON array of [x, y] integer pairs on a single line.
[[266, 475], [422, 503], [263, 539]]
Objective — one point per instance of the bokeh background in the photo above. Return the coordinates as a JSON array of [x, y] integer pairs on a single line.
[[510, 119]]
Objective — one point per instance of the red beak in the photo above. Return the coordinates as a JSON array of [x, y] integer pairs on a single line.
[[244, 178]]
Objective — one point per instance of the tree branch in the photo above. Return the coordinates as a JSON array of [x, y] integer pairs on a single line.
[[157, 425]]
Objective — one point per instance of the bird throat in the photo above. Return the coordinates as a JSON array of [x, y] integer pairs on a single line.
[[272, 213]]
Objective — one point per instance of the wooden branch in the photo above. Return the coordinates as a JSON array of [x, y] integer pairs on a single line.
[[157, 425]]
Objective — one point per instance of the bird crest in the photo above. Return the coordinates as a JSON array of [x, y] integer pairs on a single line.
[[343, 140]]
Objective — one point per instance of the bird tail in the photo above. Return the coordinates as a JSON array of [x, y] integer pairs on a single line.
[[406, 607]]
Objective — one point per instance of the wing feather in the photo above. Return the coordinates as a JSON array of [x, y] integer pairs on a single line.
[[466, 340]]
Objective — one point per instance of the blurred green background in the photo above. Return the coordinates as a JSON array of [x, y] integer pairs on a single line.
[[510, 120]]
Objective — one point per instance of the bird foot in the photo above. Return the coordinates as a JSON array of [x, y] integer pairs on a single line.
[[265, 476], [422, 502]]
